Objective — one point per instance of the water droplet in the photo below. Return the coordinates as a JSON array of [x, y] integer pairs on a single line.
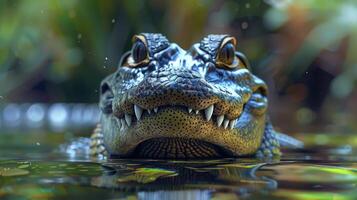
[[113, 20], [244, 25], [104, 66], [106, 58], [38, 144]]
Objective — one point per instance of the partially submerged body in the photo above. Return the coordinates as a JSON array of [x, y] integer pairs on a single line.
[[165, 102]]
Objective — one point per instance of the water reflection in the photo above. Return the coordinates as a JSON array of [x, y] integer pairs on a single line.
[[190, 194], [154, 179], [318, 171]]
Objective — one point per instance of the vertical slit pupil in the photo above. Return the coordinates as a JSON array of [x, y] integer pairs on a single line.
[[227, 53], [139, 51]]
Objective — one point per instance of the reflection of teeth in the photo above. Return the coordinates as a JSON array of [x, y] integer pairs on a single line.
[[138, 111], [225, 123], [232, 123], [155, 109], [197, 111], [189, 110], [220, 120], [128, 119], [209, 112]]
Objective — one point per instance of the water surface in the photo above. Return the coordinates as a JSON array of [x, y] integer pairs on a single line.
[[30, 168]]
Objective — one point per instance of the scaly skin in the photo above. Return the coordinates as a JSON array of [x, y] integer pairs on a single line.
[[183, 104]]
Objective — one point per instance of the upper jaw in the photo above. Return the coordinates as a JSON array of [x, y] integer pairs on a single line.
[[190, 100], [224, 113], [143, 123], [186, 125], [139, 113]]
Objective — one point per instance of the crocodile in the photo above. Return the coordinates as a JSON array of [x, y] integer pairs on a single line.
[[164, 102]]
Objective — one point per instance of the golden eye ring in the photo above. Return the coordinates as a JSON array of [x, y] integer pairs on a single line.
[[226, 54], [139, 54]]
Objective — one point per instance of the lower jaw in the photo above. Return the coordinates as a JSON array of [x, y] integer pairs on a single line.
[[178, 148], [177, 134]]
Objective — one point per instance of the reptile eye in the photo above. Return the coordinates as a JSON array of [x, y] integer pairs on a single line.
[[139, 51], [226, 54], [139, 54]]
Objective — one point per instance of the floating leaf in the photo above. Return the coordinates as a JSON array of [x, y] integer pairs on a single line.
[[308, 173], [24, 166], [147, 175], [13, 172]]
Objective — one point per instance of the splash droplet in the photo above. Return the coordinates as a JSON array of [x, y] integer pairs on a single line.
[[244, 25]]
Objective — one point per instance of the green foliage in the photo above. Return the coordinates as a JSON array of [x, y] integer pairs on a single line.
[[333, 22], [68, 46]]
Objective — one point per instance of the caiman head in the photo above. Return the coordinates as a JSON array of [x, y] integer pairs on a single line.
[[166, 102]]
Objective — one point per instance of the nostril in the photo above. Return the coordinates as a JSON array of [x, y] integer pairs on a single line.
[[106, 98], [261, 90], [104, 88]]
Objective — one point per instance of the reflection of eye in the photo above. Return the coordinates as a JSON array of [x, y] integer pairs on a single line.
[[226, 54], [139, 51]]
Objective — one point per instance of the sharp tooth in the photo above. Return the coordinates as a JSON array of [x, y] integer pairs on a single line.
[[232, 123], [209, 112], [155, 109], [225, 123], [149, 111], [138, 111], [128, 119], [122, 124], [220, 120], [189, 110], [197, 111]]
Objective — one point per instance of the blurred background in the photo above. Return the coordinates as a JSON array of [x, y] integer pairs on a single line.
[[53, 55]]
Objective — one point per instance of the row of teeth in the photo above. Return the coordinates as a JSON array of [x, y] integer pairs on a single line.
[[221, 121]]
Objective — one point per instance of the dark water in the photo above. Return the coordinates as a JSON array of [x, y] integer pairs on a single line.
[[30, 169]]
